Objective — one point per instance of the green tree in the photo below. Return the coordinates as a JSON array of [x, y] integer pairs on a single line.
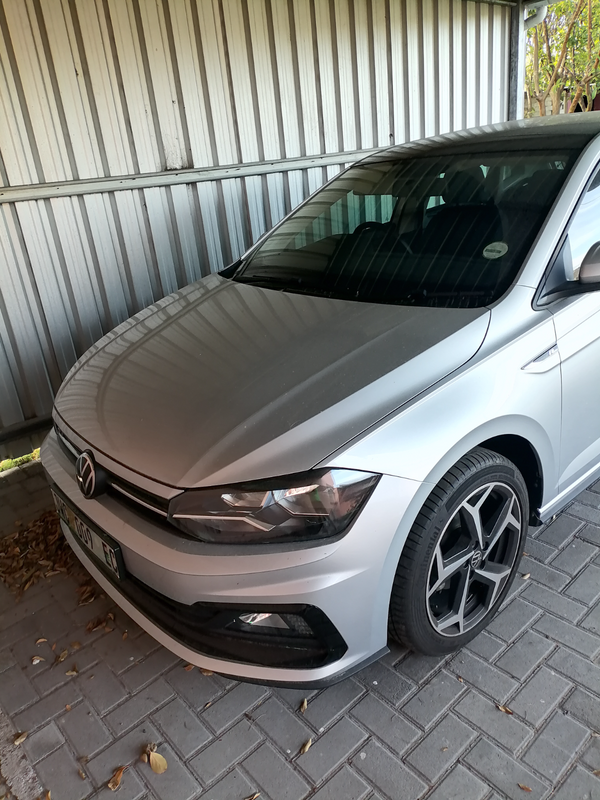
[[563, 57]]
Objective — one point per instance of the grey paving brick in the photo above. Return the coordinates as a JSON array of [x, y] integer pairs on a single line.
[[384, 723], [395, 654], [24, 650], [503, 772], [284, 728], [441, 748], [434, 699], [17, 624], [542, 573], [460, 784], [226, 750], [585, 708], [512, 620], [126, 750], [274, 775], [574, 557], [102, 688], [386, 682], [586, 586], [486, 646], [48, 680], [591, 754], [591, 621], [570, 635], [539, 696], [139, 706], [59, 773], [293, 697], [152, 667], [585, 512], [556, 746], [330, 749], [121, 654], [344, 784], [49, 707], [232, 785], [387, 774], [556, 603], [6, 660], [86, 732], [331, 702], [44, 742], [182, 728], [579, 784], [418, 668], [538, 550], [131, 788], [16, 691], [577, 669], [559, 531], [232, 705], [591, 533], [482, 675], [503, 728], [525, 654], [193, 686], [588, 498], [177, 783]]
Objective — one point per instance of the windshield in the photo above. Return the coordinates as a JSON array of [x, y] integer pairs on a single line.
[[446, 230]]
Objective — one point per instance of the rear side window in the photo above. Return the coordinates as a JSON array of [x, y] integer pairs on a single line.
[[446, 230]]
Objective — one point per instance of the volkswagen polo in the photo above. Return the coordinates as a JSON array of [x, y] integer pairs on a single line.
[[344, 436]]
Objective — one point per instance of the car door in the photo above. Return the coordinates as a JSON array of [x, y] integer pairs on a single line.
[[577, 322]]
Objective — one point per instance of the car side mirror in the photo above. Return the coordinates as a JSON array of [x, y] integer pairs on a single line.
[[589, 271]]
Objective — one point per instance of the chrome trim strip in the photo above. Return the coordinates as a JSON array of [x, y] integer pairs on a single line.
[[137, 500]]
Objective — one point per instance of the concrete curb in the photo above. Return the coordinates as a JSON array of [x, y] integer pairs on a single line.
[[24, 496]]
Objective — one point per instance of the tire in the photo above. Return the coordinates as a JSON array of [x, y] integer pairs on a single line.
[[450, 579]]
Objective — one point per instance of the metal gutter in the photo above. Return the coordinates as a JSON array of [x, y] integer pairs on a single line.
[[151, 180]]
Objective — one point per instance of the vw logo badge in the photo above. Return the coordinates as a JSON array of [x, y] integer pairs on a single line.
[[85, 471], [477, 559]]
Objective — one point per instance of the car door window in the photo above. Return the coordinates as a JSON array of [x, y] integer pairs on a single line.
[[584, 230]]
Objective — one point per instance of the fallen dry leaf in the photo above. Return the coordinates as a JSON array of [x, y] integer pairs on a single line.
[[305, 747], [20, 737], [504, 709], [72, 671], [124, 635], [111, 616], [67, 707], [524, 577], [254, 796], [75, 645], [458, 678], [28, 555], [206, 705], [81, 774], [158, 763], [523, 787], [144, 758], [188, 667], [444, 749], [48, 795], [61, 657], [39, 641], [596, 772], [115, 781], [206, 671], [303, 706], [37, 659]]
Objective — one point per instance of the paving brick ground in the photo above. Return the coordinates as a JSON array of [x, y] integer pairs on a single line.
[[405, 728]]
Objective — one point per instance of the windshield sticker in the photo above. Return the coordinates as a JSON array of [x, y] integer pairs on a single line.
[[495, 250]]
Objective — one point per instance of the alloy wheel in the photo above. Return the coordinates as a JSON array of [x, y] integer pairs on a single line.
[[473, 559]]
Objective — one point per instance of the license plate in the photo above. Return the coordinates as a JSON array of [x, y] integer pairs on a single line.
[[108, 554]]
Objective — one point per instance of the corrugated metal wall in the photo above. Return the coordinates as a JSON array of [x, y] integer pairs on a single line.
[[177, 91]]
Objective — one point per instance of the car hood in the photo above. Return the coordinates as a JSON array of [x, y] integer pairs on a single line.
[[225, 382]]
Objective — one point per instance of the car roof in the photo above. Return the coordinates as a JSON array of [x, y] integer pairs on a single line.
[[572, 131]]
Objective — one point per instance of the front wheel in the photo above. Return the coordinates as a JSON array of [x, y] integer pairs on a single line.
[[461, 554]]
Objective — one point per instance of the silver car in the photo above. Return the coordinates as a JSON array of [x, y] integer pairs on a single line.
[[344, 436]]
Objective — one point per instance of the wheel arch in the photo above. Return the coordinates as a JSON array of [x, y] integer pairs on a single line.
[[525, 457]]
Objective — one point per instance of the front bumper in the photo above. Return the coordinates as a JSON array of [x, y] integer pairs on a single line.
[[345, 584]]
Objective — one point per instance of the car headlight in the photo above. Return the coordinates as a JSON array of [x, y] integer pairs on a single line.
[[303, 507]]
